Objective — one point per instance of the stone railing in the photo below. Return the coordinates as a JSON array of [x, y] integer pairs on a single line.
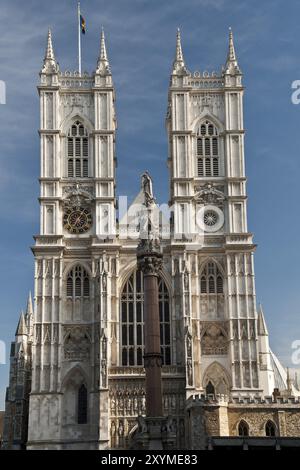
[[139, 370], [266, 400], [70, 79], [219, 399], [205, 80], [239, 238], [207, 399], [48, 240]]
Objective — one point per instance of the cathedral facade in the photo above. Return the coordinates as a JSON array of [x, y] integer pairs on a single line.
[[77, 377]]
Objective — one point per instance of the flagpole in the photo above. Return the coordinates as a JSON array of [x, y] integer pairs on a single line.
[[79, 41]]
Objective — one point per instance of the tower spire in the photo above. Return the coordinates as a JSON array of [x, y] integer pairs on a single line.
[[29, 316], [29, 309], [231, 51], [50, 64], [261, 323], [231, 62], [103, 67], [49, 50], [178, 64], [21, 328]]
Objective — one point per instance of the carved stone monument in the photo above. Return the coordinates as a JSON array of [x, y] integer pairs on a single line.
[[154, 431]]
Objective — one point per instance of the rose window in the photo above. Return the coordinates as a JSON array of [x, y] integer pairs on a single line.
[[210, 218]]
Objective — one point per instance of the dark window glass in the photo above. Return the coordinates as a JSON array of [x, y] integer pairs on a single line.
[[82, 405]]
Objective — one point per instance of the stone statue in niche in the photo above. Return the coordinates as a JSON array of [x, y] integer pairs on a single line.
[[114, 266], [189, 372], [142, 426], [186, 281], [121, 429], [188, 344], [176, 266], [104, 373], [104, 346], [104, 281]]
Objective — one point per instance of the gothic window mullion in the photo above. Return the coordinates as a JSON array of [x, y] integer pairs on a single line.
[[81, 156], [77, 151], [135, 321], [128, 332], [208, 148]]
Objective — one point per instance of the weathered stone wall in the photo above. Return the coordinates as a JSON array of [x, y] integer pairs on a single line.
[[208, 418], [256, 420], [286, 420]]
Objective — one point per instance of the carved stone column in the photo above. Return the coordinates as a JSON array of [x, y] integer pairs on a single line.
[[155, 431], [150, 262]]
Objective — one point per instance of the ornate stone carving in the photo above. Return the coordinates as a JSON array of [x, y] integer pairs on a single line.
[[186, 281], [48, 268], [77, 343], [209, 194], [214, 102], [189, 357], [55, 333], [127, 400], [148, 218], [47, 334], [189, 366], [38, 333], [104, 282], [214, 339], [103, 360], [150, 265], [77, 195], [152, 360], [76, 100], [218, 376], [147, 188]]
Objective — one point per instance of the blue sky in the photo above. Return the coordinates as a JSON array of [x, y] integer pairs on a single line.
[[141, 41]]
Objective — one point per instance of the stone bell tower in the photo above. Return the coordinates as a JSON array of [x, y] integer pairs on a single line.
[[68, 399], [212, 250]]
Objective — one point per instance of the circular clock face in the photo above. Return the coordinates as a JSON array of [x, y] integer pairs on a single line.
[[77, 220]]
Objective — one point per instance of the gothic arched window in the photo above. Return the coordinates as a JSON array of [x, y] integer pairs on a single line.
[[78, 283], [270, 429], [211, 281], [243, 429], [82, 403], [132, 321], [78, 151], [210, 389], [208, 152]]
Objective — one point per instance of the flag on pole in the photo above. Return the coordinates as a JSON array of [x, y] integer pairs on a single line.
[[82, 24]]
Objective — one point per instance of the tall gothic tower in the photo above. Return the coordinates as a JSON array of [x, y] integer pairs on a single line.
[[212, 249], [77, 210]]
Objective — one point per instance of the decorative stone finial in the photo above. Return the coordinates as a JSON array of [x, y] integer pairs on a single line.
[[50, 63], [178, 64], [231, 66], [103, 67]]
